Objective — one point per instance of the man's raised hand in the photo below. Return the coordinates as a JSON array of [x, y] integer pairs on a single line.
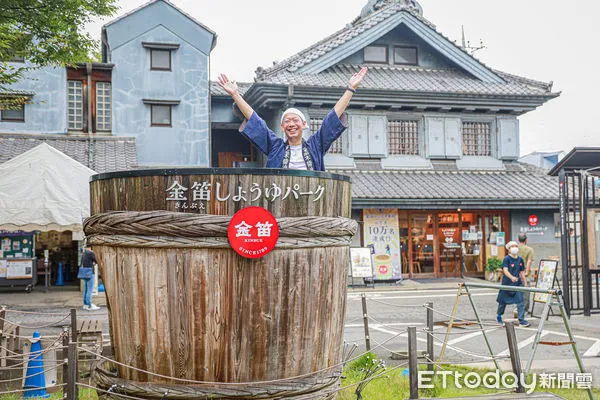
[[230, 87], [357, 78]]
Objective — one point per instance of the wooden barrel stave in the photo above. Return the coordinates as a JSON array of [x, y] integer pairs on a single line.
[[200, 309], [207, 314]]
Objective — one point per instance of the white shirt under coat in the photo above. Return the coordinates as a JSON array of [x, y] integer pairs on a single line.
[[296, 158]]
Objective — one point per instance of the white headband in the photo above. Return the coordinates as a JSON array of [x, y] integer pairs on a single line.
[[511, 244], [294, 111]]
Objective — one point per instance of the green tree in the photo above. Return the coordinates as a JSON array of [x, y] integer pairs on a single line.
[[45, 32]]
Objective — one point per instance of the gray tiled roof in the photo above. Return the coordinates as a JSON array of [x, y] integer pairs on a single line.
[[216, 90], [16, 92], [396, 78], [111, 153], [453, 185], [340, 37], [411, 79], [142, 6]]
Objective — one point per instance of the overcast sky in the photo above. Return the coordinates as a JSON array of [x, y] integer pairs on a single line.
[[547, 40]]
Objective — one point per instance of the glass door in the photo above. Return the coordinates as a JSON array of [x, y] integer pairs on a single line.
[[422, 240], [450, 249], [472, 244]]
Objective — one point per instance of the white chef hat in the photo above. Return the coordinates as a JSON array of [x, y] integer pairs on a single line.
[[293, 111]]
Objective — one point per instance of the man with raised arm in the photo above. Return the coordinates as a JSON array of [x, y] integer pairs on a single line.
[[294, 152]]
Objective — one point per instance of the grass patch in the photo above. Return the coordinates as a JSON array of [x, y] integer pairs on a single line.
[[391, 384], [84, 394]]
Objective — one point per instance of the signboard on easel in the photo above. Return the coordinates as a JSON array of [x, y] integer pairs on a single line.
[[360, 260], [545, 279]]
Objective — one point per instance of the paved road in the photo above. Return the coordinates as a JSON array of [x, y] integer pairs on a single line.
[[390, 313]]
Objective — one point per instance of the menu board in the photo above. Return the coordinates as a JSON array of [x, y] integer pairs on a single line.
[[545, 278], [360, 259], [19, 269]]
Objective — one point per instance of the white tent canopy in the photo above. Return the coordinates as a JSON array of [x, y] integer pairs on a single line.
[[44, 189]]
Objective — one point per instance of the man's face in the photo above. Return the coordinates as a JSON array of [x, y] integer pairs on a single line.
[[293, 126]]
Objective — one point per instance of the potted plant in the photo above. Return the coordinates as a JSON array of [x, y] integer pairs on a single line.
[[493, 269]]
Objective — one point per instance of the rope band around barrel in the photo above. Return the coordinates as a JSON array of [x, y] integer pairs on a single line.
[[166, 229], [208, 242], [168, 223], [297, 389]]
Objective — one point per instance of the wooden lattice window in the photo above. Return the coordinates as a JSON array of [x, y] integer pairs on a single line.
[[103, 106], [476, 139], [403, 137], [337, 146], [75, 105]]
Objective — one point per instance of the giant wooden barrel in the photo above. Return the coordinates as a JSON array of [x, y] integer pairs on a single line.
[[184, 306]]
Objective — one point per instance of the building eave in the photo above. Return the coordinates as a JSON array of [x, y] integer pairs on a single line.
[[262, 95], [454, 204]]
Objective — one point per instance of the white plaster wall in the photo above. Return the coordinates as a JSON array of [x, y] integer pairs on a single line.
[[187, 141], [47, 112]]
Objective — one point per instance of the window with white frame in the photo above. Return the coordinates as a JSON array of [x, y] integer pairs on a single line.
[[103, 106], [476, 139], [75, 105], [403, 137], [337, 146]]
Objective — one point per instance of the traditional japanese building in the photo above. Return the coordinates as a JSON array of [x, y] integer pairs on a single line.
[[150, 91], [161, 66], [68, 109], [432, 144]]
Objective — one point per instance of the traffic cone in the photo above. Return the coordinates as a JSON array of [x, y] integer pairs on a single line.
[[60, 281], [35, 381]]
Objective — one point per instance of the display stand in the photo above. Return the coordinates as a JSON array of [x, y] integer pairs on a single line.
[[361, 266], [546, 279], [553, 297], [18, 265]]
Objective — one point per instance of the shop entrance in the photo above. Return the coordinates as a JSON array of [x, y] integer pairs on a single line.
[[438, 244], [434, 245], [445, 244], [449, 245]]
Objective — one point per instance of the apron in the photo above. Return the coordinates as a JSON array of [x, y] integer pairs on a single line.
[[508, 297]]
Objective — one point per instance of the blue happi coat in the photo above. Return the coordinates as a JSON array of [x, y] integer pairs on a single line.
[[257, 131]]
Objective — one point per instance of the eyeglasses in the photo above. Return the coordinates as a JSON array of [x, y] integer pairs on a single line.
[[292, 121]]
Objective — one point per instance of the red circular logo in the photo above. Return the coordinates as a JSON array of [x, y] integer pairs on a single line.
[[532, 220], [253, 232]]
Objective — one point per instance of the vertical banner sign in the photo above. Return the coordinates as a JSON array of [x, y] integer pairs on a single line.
[[381, 232], [253, 232], [564, 239]]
